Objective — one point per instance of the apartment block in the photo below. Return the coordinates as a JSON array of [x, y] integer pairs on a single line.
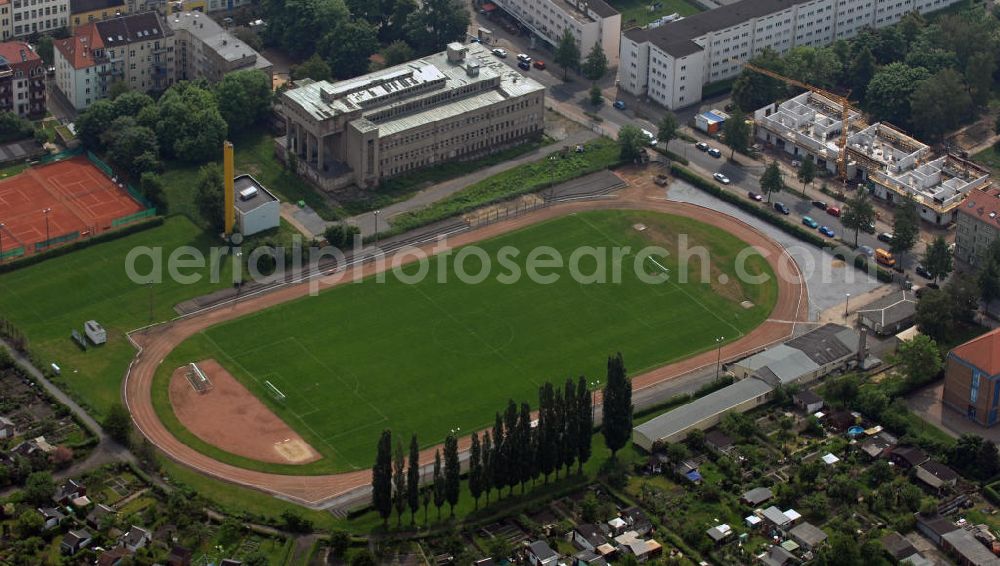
[[6, 28], [137, 49], [888, 162], [671, 63], [972, 379], [22, 80], [87, 11], [458, 104], [205, 50], [38, 16], [978, 224], [590, 21]]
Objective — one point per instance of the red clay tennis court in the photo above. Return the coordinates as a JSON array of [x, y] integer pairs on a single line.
[[78, 196]]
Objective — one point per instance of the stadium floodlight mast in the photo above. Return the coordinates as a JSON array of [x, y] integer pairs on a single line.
[[594, 386], [718, 359], [46, 211], [1, 241]]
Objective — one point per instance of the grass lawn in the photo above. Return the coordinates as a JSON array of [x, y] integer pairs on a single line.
[[48, 299], [602, 153], [989, 157], [254, 155], [637, 12], [425, 358], [403, 187]]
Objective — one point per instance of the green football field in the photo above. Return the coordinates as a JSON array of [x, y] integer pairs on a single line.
[[429, 357]]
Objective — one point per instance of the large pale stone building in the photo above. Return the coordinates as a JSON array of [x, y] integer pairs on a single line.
[[670, 64], [458, 104]]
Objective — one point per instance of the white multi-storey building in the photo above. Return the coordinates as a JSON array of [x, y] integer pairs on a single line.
[[38, 16], [590, 21], [670, 64]]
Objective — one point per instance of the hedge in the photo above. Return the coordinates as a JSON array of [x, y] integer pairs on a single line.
[[860, 261], [80, 244]]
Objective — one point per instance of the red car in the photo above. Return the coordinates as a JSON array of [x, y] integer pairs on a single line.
[[539, 64], [833, 211]]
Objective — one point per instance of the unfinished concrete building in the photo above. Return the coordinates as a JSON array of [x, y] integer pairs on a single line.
[[808, 124]]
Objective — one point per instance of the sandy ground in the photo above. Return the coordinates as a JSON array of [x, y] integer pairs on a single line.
[[157, 342], [229, 417]]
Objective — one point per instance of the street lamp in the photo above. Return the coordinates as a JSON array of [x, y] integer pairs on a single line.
[[47, 211], [1, 241], [718, 359], [846, 303], [377, 212], [594, 385]]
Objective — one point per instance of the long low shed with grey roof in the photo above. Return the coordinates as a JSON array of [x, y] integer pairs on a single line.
[[702, 413], [803, 359]]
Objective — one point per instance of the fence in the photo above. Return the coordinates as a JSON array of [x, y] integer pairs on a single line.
[[15, 252], [100, 164], [53, 157], [148, 213], [39, 246]]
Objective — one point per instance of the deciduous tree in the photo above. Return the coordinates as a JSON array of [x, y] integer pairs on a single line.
[[435, 24], [905, 226], [631, 142], [736, 133], [771, 181], [806, 173], [937, 259], [567, 53], [314, 68], [858, 214], [919, 359], [244, 98], [118, 424], [667, 128], [595, 65]]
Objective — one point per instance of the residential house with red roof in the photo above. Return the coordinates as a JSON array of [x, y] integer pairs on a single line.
[[972, 378], [22, 80], [136, 49]]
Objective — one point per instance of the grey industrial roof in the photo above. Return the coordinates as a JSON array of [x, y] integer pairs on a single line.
[[897, 546], [776, 516], [676, 37], [785, 363], [970, 549], [389, 88], [757, 495], [542, 550], [888, 310], [827, 343], [939, 470], [131, 28], [602, 8], [808, 533], [686, 416], [211, 34], [262, 197], [777, 556]]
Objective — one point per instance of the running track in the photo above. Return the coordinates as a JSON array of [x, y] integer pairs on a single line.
[[157, 342]]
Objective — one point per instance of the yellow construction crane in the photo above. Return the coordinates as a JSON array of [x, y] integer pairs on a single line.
[[845, 111]]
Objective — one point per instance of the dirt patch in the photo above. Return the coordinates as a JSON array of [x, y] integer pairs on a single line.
[[229, 417]]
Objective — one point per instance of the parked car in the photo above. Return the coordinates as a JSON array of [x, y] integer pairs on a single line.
[[714, 152], [475, 40], [866, 250], [701, 146], [650, 137], [870, 228], [721, 178], [524, 65], [826, 231], [539, 64], [755, 196], [833, 211], [808, 221], [820, 204], [885, 257], [619, 104], [923, 272], [780, 207], [579, 148], [796, 163], [501, 53], [885, 237], [523, 57]]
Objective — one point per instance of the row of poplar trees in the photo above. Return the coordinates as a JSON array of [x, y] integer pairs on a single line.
[[513, 453]]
